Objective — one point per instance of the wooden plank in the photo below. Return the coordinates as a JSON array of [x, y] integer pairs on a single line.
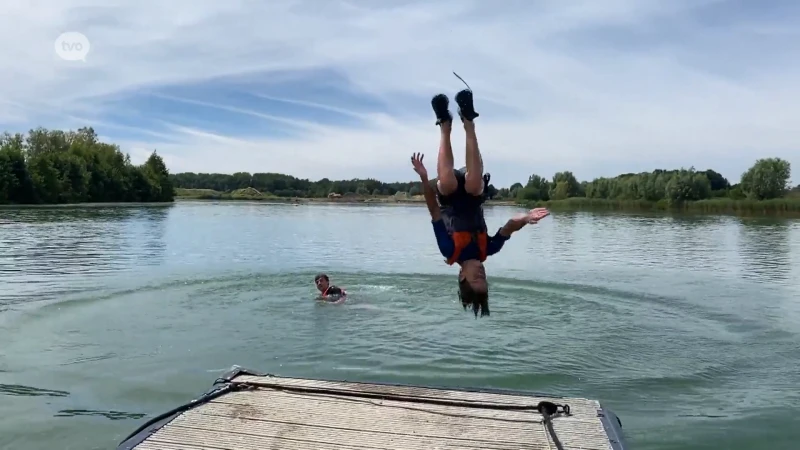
[[584, 434], [228, 445], [280, 401], [276, 432], [421, 425], [236, 440], [579, 406], [204, 439], [155, 445]]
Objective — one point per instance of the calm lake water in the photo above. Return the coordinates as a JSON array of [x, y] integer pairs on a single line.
[[687, 327]]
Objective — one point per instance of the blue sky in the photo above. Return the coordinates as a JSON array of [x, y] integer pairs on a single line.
[[341, 89]]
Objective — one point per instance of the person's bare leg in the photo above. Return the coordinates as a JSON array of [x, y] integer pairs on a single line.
[[447, 182], [446, 178], [474, 175], [473, 183]]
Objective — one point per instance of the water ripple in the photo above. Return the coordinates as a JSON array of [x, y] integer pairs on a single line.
[[30, 391], [110, 415]]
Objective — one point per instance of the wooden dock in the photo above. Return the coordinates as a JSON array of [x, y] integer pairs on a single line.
[[250, 411]]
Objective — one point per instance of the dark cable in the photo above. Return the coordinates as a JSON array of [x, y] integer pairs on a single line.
[[396, 397], [547, 410]]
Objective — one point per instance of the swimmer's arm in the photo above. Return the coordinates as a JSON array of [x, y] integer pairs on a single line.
[[516, 223], [513, 225], [496, 242], [430, 199]]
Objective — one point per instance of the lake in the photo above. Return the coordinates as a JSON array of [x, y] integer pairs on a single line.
[[688, 327]]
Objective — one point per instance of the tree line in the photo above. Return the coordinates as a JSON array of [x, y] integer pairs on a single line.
[[767, 179], [282, 185], [54, 166]]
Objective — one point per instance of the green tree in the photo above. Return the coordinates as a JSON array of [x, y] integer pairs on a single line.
[[560, 191], [503, 193], [717, 181], [491, 191], [241, 180], [54, 166], [536, 189], [564, 185], [16, 185], [767, 178], [157, 175], [687, 185]]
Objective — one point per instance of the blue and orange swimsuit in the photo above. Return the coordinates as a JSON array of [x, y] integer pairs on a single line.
[[461, 233]]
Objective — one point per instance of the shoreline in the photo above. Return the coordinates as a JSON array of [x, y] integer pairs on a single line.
[[86, 205], [784, 208], [252, 195], [327, 201], [787, 207]]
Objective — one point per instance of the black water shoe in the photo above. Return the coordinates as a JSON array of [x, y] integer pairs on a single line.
[[441, 105], [466, 110]]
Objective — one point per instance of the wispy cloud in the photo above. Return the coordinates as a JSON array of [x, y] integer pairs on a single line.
[[342, 88], [304, 125]]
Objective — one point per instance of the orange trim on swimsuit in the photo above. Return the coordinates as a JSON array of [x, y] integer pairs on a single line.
[[463, 238]]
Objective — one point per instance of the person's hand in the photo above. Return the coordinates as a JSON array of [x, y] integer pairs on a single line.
[[416, 161], [519, 221], [536, 214], [531, 217]]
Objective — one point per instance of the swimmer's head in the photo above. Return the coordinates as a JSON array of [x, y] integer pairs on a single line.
[[473, 290], [322, 281]]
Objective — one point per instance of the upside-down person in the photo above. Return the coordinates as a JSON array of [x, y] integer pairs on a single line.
[[456, 206]]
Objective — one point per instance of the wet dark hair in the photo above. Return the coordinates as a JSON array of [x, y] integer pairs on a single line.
[[469, 297], [321, 276]]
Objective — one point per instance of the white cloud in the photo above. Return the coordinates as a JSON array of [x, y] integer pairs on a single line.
[[599, 87]]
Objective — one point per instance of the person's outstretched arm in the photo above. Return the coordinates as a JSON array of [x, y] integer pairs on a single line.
[[430, 199], [427, 189], [443, 239], [513, 225]]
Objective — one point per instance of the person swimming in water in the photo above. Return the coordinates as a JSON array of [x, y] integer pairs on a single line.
[[328, 292], [456, 205]]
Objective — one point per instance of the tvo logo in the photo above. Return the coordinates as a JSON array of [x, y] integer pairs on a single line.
[[72, 46]]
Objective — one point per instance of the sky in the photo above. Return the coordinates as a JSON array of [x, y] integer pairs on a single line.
[[342, 89]]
